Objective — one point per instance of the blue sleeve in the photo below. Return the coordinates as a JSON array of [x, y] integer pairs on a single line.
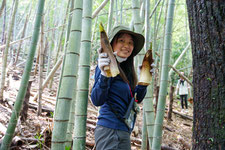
[[140, 90], [100, 90]]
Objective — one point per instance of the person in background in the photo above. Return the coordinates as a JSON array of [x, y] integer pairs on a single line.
[[182, 90], [114, 94]]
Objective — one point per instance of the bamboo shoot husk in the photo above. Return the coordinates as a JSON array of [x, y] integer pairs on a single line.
[[112, 70], [145, 74]]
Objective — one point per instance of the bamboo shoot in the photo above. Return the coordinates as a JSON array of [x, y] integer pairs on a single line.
[[112, 70], [145, 74]]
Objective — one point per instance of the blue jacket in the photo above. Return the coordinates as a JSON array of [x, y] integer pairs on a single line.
[[113, 92]]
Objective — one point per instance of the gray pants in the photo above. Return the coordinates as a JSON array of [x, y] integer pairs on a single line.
[[111, 139]]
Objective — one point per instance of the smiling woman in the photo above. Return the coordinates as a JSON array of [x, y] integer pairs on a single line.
[[117, 95], [123, 44]]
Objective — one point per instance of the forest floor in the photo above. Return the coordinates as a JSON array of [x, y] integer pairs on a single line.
[[35, 133]]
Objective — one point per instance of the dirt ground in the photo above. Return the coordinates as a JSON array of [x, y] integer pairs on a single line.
[[177, 133]]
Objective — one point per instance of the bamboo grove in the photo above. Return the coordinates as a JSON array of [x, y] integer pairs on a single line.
[[65, 38]]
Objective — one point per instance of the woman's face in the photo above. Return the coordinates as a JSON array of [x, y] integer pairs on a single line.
[[124, 45]]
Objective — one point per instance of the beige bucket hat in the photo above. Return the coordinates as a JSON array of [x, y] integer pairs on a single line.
[[139, 39]]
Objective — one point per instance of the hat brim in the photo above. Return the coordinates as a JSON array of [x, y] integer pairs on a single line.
[[139, 39]]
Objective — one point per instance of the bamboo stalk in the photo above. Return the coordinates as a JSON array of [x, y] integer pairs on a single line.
[[143, 12], [41, 67], [2, 6], [24, 82], [148, 101], [110, 17], [121, 11], [83, 79], [137, 28], [3, 27], [116, 11], [5, 57], [69, 138], [144, 133], [69, 79], [157, 139]]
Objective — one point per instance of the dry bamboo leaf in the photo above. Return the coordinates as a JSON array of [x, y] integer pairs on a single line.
[[112, 70]]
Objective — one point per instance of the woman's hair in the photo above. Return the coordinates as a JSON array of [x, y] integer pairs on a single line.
[[127, 71]]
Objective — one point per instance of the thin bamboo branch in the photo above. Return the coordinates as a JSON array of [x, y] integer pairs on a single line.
[[26, 38], [159, 18], [50, 75], [185, 78], [153, 11], [95, 13], [22, 36], [59, 45], [179, 58]]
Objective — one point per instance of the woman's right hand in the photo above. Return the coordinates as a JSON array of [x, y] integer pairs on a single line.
[[103, 60]]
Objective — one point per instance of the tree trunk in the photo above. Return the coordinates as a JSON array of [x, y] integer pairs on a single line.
[[156, 98], [24, 82], [206, 22], [26, 103], [170, 109]]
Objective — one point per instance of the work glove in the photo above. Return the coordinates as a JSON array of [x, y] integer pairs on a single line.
[[152, 71], [103, 60], [153, 68]]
